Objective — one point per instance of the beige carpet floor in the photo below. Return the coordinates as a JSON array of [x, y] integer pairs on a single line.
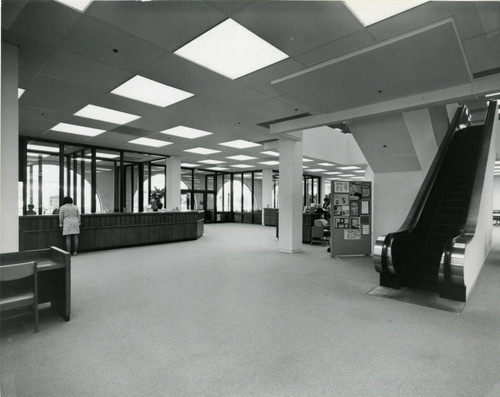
[[229, 315]]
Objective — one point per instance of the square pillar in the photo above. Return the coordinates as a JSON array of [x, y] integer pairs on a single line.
[[267, 190], [9, 151], [290, 209], [173, 195]]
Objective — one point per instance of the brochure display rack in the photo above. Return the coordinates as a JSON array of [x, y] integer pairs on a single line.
[[351, 206]]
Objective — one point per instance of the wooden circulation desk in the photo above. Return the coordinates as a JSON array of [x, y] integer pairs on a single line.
[[112, 230]]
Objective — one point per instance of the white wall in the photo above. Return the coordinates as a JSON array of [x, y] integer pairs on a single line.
[[477, 250], [9, 148], [393, 196], [330, 145]]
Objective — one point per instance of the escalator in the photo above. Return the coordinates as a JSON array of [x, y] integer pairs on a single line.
[[414, 255]]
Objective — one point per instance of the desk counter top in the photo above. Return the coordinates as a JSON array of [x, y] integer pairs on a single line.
[[113, 230]]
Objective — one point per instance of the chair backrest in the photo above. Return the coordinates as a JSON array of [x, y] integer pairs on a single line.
[[17, 271]]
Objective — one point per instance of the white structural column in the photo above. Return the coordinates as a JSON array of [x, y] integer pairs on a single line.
[[422, 135], [290, 196], [9, 149], [267, 190], [173, 183]]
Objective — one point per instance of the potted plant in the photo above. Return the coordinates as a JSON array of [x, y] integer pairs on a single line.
[[156, 197]]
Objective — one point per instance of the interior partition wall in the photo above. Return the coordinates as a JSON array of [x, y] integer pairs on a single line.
[[104, 180]]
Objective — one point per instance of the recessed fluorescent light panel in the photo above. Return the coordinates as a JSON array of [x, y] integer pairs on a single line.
[[231, 50], [43, 148], [241, 157], [20, 92], [333, 173], [80, 5], [150, 91], [271, 153], [202, 150], [373, 11], [316, 170], [38, 155], [271, 162], [326, 164], [149, 142], [242, 166], [77, 129], [185, 132], [107, 155], [189, 165], [348, 167], [105, 114], [346, 175], [360, 171], [211, 161], [240, 144], [218, 169], [487, 96], [306, 160]]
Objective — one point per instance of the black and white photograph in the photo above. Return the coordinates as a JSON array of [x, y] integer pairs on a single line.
[[168, 170]]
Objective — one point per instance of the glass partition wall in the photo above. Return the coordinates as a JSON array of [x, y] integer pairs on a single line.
[[105, 180]]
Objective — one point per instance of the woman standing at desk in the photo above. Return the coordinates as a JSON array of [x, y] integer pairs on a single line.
[[69, 220]]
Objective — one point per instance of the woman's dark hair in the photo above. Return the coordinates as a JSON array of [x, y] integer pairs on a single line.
[[67, 200]]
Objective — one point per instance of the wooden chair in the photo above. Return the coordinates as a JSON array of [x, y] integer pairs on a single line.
[[19, 289]]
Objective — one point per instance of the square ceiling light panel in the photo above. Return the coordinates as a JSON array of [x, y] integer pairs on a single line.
[[107, 155], [77, 129], [149, 142], [202, 150], [43, 148], [36, 155], [326, 164], [242, 166], [373, 11], [231, 50], [186, 132], [218, 169], [189, 165], [272, 162], [241, 157], [79, 5], [240, 144], [211, 161], [271, 153], [149, 91], [333, 173], [105, 114]]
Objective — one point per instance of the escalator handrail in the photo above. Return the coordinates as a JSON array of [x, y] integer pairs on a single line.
[[460, 120], [384, 258]]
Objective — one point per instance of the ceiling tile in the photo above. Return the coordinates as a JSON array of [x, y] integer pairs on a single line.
[[200, 106], [183, 74], [168, 25], [63, 89], [477, 47], [337, 48], [86, 72], [48, 21], [104, 43], [425, 61], [301, 28], [51, 102], [11, 10]]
